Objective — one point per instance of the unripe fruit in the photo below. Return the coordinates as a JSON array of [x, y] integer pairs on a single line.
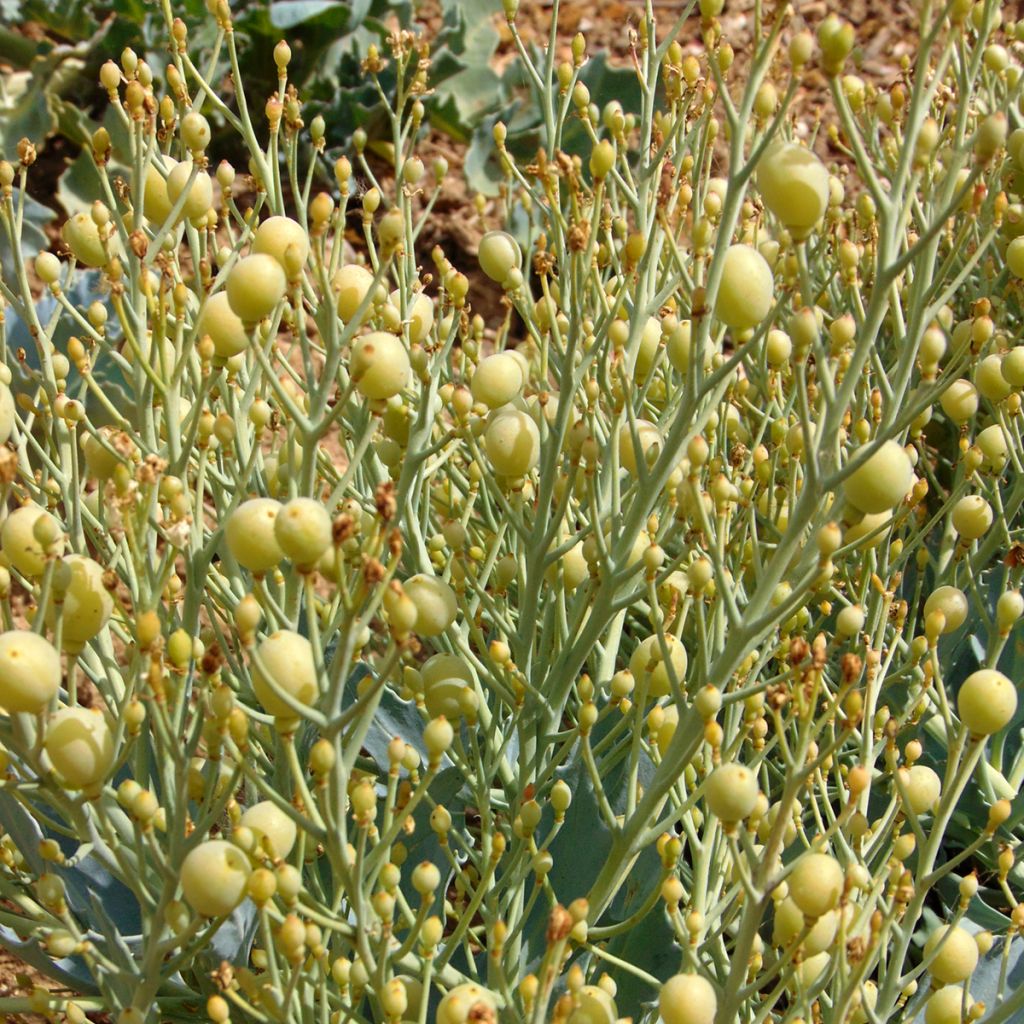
[[438, 736], [447, 683], [731, 792], [284, 658], [972, 517], [746, 289], [214, 876], [957, 958], [47, 268], [266, 819], [82, 237], [952, 602], [816, 883], [512, 442], [649, 437], [156, 204], [200, 195], [86, 606], [436, 606], [793, 183], [220, 322], [688, 999], [881, 481], [80, 746], [995, 448], [850, 621], [987, 701], [302, 529], [648, 665], [195, 131], [30, 671], [251, 536], [274, 236], [1015, 257], [790, 922], [922, 787], [497, 380], [499, 253], [465, 1003], [959, 401], [379, 365], [944, 1006], [19, 544], [595, 1006], [256, 284], [350, 284]]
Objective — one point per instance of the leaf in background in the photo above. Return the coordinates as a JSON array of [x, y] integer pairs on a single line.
[[25, 113], [329, 15], [79, 186]]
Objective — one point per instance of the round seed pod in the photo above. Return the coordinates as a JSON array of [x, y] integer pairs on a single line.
[[80, 746], [466, 1003], [881, 481], [746, 290], [82, 237], [987, 701], [156, 204], [594, 1006], [688, 999], [731, 792], [816, 883], [497, 380], [380, 365], [8, 416], [225, 328], [30, 671], [267, 820], [200, 195], [945, 1004], [952, 602], [790, 922], [648, 664], [436, 606], [957, 956], [274, 236], [447, 686], [649, 438], [350, 284], [251, 535], [255, 286], [286, 658], [87, 603], [794, 185], [303, 531], [499, 254], [972, 517], [922, 786], [512, 442], [214, 876], [18, 540]]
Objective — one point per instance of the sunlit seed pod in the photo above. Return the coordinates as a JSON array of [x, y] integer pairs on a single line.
[[688, 999], [987, 701], [816, 883], [380, 365], [972, 517], [650, 669], [593, 1006], [989, 379], [251, 537], [19, 544], [351, 285], [649, 438], [200, 192], [446, 678], [268, 822], [466, 1003], [498, 380], [952, 602], [881, 481], [255, 285], [923, 787], [790, 922], [419, 314], [225, 328], [959, 401], [512, 442], [80, 746], [30, 671], [302, 529], [746, 290], [276, 234], [214, 876], [86, 606], [794, 185], [286, 659], [436, 604], [945, 1006], [952, 954], [731, 792], [499, 253], [82, 237]]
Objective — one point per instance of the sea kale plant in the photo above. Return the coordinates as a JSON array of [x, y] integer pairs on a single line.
[[647, 648]]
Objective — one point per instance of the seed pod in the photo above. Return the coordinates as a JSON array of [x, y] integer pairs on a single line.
[[213, 877], [286, 659], [687, 999], [80, 746], [746, 289], [30, 671], [267, 821]]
